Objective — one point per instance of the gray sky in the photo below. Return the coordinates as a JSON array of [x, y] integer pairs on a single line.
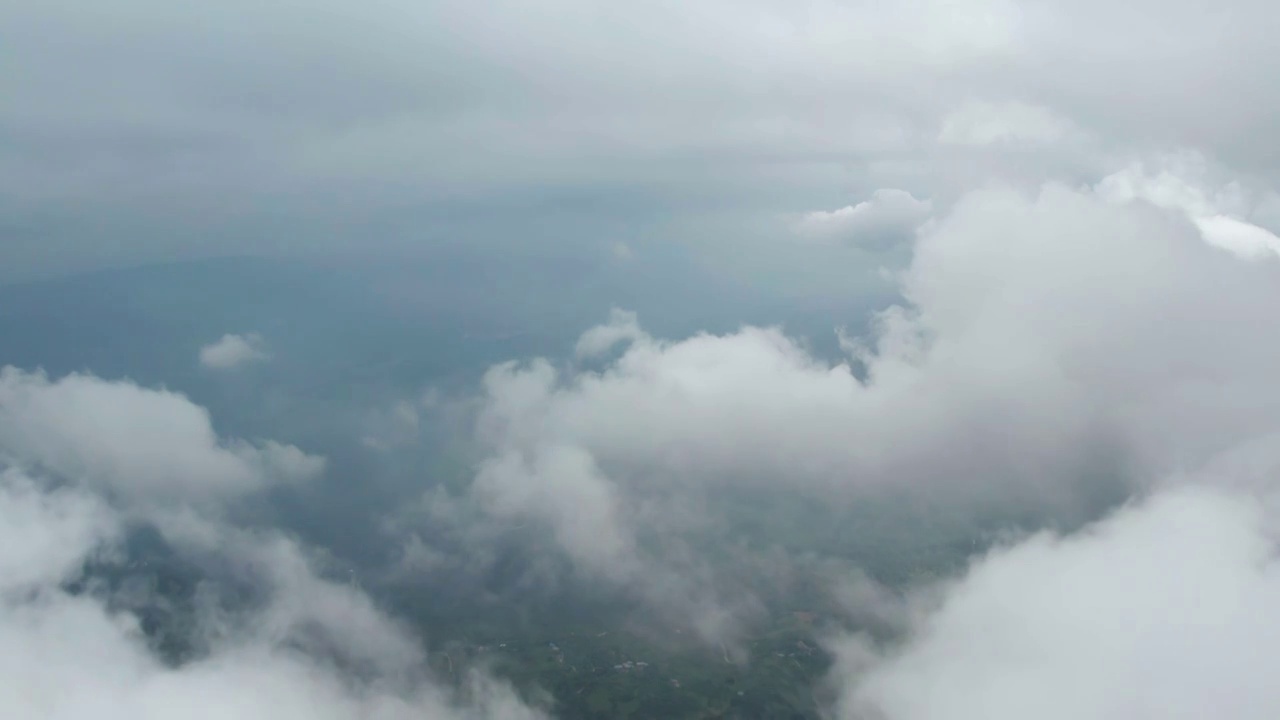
[[147, 129]]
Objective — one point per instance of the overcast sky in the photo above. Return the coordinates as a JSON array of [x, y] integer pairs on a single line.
[[146, 129]]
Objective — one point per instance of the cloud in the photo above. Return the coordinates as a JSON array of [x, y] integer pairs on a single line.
[[232, 351], [46, 533], [1012, 123], [1180, 185], [888, 219], [623, 327], [1163, 610], [1033, 357], [146, 445], [294, 645], [54, 640], [662, 115]]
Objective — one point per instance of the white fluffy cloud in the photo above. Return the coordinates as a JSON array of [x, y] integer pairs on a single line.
[[143, 444], [1165, 610], [81, 462], [888, 218], [1044, 339], [231, 351], [1180, 184]]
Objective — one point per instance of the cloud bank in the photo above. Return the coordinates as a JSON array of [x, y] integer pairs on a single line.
[[1047, 340], [662, 116]]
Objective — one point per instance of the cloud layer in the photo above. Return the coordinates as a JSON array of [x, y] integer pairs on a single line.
[[656, 113]]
